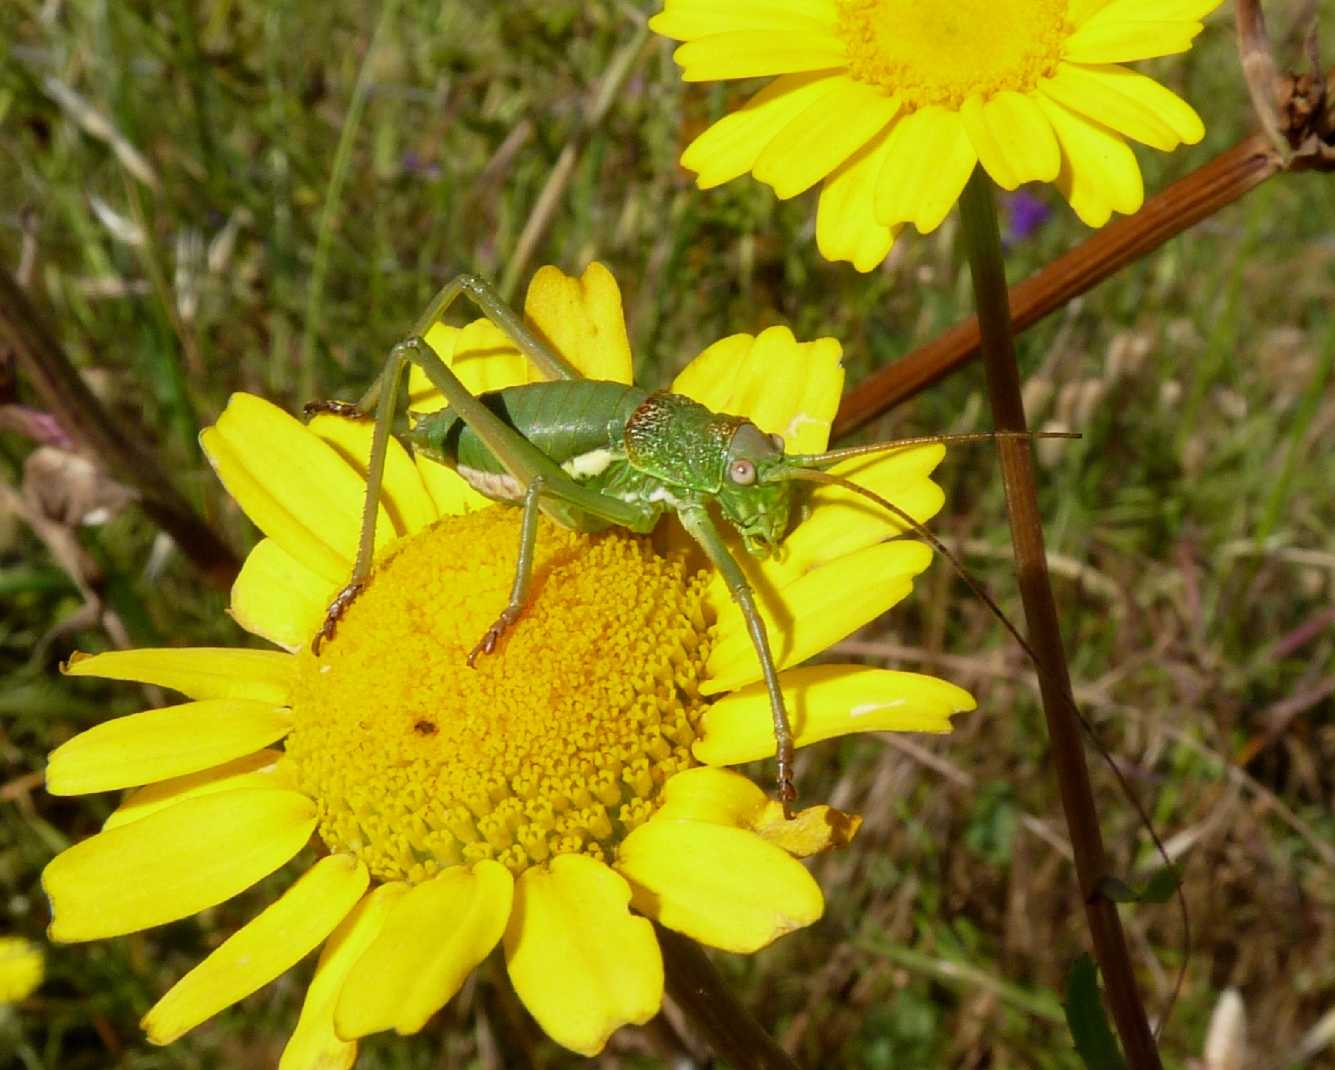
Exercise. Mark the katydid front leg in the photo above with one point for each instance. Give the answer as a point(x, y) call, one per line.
point(528, 539)
point(696, 520)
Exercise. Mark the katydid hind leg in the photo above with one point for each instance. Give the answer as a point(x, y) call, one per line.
point(528, 539)
point(490, 303)
point(701, 527)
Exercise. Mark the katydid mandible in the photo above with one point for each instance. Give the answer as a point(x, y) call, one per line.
point(593, 455)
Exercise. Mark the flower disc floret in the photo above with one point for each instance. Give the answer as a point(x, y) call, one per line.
point(913, 49)
point(557, 743)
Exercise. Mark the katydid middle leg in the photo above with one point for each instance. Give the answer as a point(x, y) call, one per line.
point(696, 520)
point(528, 539)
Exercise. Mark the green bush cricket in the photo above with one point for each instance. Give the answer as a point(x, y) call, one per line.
point(593, 455)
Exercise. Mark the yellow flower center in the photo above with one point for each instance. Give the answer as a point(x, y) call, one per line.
point(944, 51)
point(558, 742)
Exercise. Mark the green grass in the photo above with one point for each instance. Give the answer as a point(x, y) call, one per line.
point(286, 239)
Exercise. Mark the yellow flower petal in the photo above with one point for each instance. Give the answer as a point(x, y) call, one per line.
point(146, 747)
point(480, 354)
point(173, 863)
point(22, 967)
point(840, 522)
point(263, 769)
point(688, 19)
point(581, 962)
point(928, 160)
point(1128, 102)
point(295, 487)
point(407, 502)
point(429, 943)
point(278, 598)
point(270, 944)
point(1012, 137)
point(784, 386)
point(314, 1045)
point(197, 672)
point(820, 608)
point(1099, 173)
point(823, 136)
point(722, 797)
point(846, 223)
point(582, 320)
point(756, 53)
point(1110, 36)
point(715, 796)
point(825, 701)
point(732, 145)
point(725, 887)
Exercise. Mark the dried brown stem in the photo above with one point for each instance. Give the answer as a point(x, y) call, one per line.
point(710, 1006)
point(983, 241)
point(115, 447)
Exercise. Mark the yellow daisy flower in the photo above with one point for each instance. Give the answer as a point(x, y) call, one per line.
point(22, 968)
point(892, 102)
point(551, 800)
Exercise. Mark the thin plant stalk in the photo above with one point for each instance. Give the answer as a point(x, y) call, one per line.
point(982, 237)
point(712, 1008)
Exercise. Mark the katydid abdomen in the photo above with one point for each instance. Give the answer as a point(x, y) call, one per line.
point(577, 424)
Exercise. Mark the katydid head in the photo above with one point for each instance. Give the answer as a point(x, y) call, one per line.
point(752, 502)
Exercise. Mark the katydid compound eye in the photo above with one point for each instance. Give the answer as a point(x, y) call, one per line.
point(743, 472)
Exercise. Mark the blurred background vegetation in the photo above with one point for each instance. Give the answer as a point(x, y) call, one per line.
point(206, 196)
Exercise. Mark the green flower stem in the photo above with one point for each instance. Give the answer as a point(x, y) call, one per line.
point(983, 240)
point(696, 987)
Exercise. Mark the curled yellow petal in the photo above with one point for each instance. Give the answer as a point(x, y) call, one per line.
point(581, 318)
point(263, 769)
point(197, 672)
point(725, 887)
point(280, 936)
point(825, 701)
point(173, 863)
point(314, 1045)
point(157, 744)
point(722, 797)
point(431, 940)
point(581, 962)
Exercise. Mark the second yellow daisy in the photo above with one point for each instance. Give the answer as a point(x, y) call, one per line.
point(892, 103)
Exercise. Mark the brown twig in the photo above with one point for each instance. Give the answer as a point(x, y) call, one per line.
point(116, 448)
point(711, 1007)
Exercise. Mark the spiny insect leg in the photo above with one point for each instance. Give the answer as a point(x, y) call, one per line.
point(335, 612)
point(696, 520)
point(528, 539)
